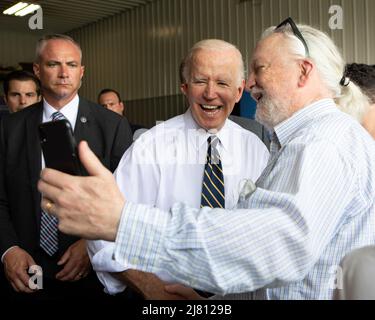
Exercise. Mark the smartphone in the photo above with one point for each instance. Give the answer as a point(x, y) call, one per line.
point(59, 147)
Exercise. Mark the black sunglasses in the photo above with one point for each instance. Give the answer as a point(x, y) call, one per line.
point(296, 32)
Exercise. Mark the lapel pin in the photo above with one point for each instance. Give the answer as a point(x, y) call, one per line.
point(83, 119)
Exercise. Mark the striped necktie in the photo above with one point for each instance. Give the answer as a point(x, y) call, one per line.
point(49, 240)
point(213, 194)
point(57, 116)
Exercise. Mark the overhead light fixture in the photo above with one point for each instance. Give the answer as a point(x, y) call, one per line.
point(21, 9)
point(15, 8)
point(30, 8)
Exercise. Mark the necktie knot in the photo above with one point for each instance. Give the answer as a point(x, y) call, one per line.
point(57, 116)
point(213, 156)
point(213, 141)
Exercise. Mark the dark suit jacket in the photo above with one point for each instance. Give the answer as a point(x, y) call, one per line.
point(107, 134)
point(3, 110)
point(253, 126)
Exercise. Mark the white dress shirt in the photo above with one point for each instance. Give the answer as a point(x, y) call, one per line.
point(314, 203)
point(166, 165)
point(69, 111)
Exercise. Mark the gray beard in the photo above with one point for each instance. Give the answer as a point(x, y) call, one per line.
point(270, 112)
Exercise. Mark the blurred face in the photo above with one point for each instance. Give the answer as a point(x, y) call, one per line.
point(213, 87)
point(21, 94)
point(273, 77)
point(111, 102)
point(60, 71)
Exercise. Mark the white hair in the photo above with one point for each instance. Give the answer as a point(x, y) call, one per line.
point(330, 65)
point(211, 44)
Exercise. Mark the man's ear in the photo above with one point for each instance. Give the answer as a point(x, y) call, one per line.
point(36, 69)
point(240, 90)
point(183, 88)
point(82, 71)
point(306, 68)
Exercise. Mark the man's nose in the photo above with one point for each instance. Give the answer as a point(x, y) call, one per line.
point(250, 83)
point(22, 99)
point(63, 71)
point(210, 91)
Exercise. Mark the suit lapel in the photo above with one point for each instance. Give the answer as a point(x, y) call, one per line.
point(34, 155)
point(84, 127)
point(81, 126)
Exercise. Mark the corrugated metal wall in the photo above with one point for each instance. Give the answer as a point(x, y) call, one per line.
point(138, 52)
point(16, 47)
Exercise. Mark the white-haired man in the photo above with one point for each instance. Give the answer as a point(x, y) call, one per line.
point(312, 204)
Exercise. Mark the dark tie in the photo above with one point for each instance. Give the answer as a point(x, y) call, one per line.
point(49, 240)
point(213, 194)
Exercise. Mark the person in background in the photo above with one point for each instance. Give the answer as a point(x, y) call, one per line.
point(21, 89)
point(363, 75)
point(357, 273)
point(111, 100)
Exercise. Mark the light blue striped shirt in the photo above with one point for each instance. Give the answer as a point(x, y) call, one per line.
point(313, 204)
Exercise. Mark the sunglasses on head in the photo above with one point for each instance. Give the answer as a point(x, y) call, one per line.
point(296, 32)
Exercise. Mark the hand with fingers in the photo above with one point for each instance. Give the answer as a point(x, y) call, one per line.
point(89, 207)
point(16, 265)
point(76, 262)
point(149, 285)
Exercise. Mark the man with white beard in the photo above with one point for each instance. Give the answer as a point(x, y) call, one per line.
point(312, 204)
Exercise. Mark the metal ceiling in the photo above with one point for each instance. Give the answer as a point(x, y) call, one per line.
point(65, 15)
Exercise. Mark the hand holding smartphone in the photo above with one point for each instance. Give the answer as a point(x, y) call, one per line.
point(59, 147)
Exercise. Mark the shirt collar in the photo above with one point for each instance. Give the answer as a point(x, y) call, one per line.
point(69, 111)
point(286, 130)
point(202, 135)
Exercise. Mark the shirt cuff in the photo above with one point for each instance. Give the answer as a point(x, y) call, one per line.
point(101, 256)
point(139, 241)
point(101, 253)
point(2, 257)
